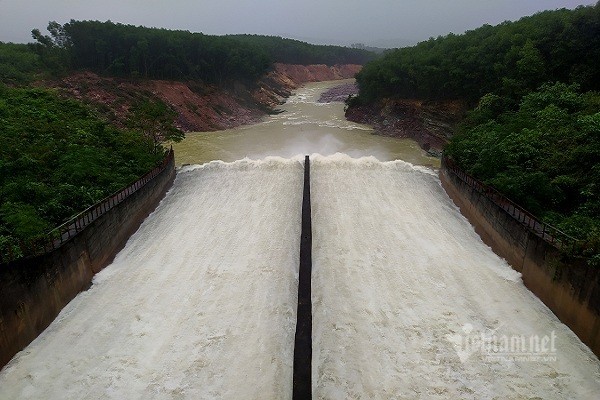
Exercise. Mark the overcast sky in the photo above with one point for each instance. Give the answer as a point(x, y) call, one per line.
point(384, 23)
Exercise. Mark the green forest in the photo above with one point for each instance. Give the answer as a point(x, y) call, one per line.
point(19, 64)
point(545, 155)
point(510, 60)
point(57, 159)
point(113, 49)
point(534, 129)
point(289, 51)
point(127, 50)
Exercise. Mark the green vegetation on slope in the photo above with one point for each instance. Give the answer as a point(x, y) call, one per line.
point(19, 64)
point(57, 158)
point(509, 59)
point(545, 155)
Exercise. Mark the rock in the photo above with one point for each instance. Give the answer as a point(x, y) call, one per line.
point(429, 123)
point(339, 93)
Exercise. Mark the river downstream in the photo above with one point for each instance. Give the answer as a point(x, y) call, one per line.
point(304, 127)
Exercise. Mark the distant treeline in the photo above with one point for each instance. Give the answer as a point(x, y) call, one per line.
point(125, 50)
point(509, 59)
point(290, 51)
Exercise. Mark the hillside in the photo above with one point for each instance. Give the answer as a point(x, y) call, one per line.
point(509, 59)
point(115, 49)
point(211, 82)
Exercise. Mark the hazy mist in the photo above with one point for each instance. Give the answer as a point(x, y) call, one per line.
point(383, 23)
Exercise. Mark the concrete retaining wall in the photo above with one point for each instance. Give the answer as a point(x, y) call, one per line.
point(34, 290)
point(568, 286)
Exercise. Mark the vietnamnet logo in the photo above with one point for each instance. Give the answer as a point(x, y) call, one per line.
point(491, 346)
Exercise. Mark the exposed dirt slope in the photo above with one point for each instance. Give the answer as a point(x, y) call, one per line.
point(200, 107)
point(279, 83)
point(207, 108)
point(300, 74)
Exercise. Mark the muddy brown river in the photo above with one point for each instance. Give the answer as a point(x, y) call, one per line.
point(304, 127)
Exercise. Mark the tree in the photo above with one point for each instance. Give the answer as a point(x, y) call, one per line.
point(544, 155)
point(154, 119)
point(54, 50)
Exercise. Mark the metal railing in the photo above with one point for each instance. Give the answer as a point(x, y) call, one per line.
point(65, 232)
point(547, 232)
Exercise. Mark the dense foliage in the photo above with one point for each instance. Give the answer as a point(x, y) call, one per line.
point(291, 51)
point(57, 158)
point(126, 50)
point(509, 60)
point(545, 155)
point(19, 64)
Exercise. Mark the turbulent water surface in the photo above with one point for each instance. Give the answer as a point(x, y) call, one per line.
point(304, 127)
point(200, 304)
point(407, 300)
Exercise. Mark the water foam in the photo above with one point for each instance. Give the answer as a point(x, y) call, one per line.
point(201, 302)
point(402, 286)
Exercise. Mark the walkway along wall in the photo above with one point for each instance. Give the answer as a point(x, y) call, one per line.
point(567, 285)
point(34, 290)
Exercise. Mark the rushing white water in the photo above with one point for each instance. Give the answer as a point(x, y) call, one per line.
point(407, 300)
point(200, 304)
point(403, 290)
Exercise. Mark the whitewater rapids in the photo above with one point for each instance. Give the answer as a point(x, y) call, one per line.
point(201, 303)
point(401, 284)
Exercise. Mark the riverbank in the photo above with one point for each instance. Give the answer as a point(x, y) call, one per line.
point(200, 107)
point(304, 126)
point(429, 123)
point(339, 93)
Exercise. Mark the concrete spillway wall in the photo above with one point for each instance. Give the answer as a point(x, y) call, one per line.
point(302, 385)
point(567, 285)
point(34, 290)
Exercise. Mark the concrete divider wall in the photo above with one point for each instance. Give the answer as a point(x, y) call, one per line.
point(34, 290)
point(567, 285)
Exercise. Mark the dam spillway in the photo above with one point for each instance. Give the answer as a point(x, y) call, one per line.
point(407, 302)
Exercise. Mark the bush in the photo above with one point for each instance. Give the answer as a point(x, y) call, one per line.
point(57, 159)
